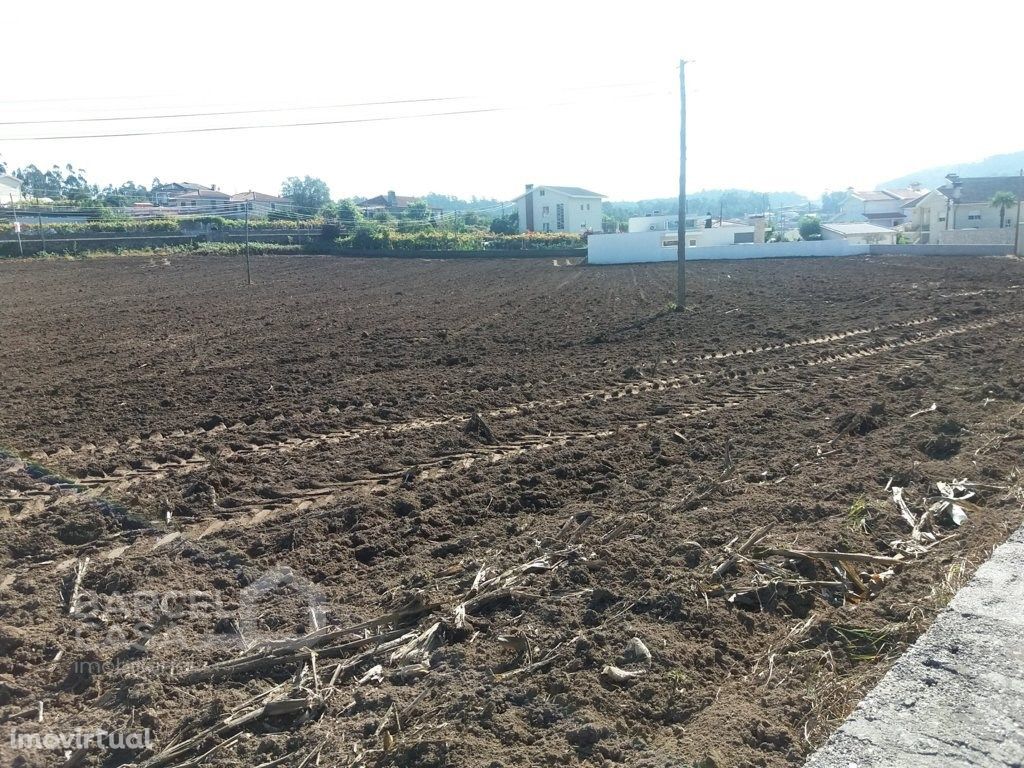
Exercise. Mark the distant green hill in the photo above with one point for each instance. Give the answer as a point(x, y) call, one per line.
point(997, 165)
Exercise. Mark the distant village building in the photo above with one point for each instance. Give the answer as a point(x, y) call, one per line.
point(10, 189)
point(883, 207)
point(966, 203)
point(161, 194)
point(390, 204)
point(209, 201)
point(652, 222)
point(861, 233)
point(559, 209)
point(698, 232)
point(258, 204)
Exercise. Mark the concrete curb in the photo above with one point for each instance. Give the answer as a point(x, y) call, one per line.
point(956, 698)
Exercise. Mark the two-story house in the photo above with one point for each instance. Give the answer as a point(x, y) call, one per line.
point(207, 201)
point(559, 209)
point(965, 203)
point(883, 207)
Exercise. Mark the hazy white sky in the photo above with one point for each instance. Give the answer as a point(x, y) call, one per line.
point(781, 95)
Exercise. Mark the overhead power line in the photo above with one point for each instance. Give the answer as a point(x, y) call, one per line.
point(301, 124)
point(266, 110)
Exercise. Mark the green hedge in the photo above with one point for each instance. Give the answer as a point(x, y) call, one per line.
point(150, 226)
point(389, 240)
point(156, 226)
point(198, 249)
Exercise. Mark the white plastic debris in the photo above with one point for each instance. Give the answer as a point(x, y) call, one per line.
point(620, 676)
point(637, 652)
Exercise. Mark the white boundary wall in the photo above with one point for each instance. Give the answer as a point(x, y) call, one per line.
point(641, 247)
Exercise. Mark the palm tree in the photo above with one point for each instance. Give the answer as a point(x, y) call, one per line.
point(1002, 201)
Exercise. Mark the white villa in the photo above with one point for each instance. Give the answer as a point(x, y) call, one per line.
point(559, 209)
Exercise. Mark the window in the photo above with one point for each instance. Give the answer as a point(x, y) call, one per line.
point(547, 227)
point(581, 206)
point(974, 216)
point(942, 218)
point(560, 216)
point(540, 192)
point(693, 242)
point(546, 210)
point(588, 206)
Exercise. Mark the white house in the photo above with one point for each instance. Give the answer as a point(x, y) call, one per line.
point(207, 201)
point(861, 233)
point(559, 209)
point(258, 204)
point(883, 207)
point(10, 189)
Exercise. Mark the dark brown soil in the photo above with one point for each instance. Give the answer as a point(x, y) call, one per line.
point(537, 463)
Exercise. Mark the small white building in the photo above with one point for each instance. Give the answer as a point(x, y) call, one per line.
point(559, 209)
point(10, 189)
point(859, 233)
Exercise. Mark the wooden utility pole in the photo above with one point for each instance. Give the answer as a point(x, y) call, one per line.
point(1016, 232)
point(248, 270)
point(681, 245)
point(1016, 224)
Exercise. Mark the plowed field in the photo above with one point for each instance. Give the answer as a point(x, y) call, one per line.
point(483, 513)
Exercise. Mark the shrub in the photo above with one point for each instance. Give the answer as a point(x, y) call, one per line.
point(810, 228)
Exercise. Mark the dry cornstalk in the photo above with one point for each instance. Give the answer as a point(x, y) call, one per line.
point(552, 656)
point(478, 580)
point(230, 668)
point(697, 496)
point(233, 722)
point(619, 529)
point(76, 585)
point(731, 560)
point(836, 557)
point(418, 648)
